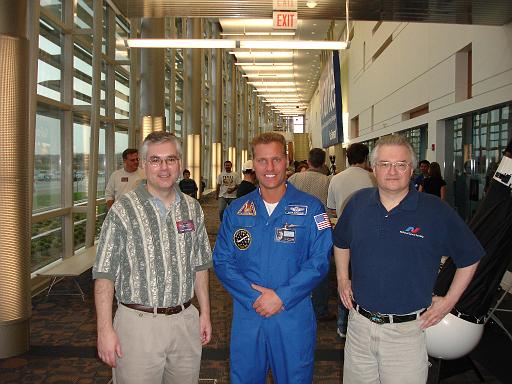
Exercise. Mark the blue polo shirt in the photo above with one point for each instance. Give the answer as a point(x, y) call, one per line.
point(395, 255)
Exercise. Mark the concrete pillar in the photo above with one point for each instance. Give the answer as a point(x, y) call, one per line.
point(234, 116)
point(152, 78)
point(217, 113)
point(14, 180)
point(193, 103)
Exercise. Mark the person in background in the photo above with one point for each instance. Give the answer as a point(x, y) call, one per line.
point(315, 182)
point(187, 185)
point(434, 183)
point(418, 180)
point(125, 179)
point(341, 188)
point(302, 167)
point(153, 254)
point(271, 251)
point(247, 184)
point(227, 183)
point(392, 238)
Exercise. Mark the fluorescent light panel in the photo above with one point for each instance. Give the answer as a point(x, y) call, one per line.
point(276, 90)
point(244, 44)
point(271, 75)
point(272, 83)
point(293, 44)
point(254, 64)
point(267, 68)
point(262, 54)
point(181, 43)
point(274, 95)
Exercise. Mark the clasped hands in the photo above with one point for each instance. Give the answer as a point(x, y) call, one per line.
point(268, 304)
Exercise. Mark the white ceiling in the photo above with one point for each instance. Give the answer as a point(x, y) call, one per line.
point(303, 70)
point(234, 16)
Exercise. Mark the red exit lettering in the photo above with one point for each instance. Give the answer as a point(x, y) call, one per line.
point(285, 20)
point(286, 4)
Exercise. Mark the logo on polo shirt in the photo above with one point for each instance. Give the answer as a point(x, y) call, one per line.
point(412, 231)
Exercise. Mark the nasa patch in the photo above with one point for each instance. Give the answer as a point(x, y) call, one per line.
point(242, 239)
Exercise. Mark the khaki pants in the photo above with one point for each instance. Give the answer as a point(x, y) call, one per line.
point(157, 348)
point(384, 353)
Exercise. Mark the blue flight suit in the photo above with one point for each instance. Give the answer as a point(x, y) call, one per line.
point(287, 252)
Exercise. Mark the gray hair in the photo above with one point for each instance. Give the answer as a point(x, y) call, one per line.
point(397, 140)
point(158, 137)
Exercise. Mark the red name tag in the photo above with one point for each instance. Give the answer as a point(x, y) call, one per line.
point(185, 226)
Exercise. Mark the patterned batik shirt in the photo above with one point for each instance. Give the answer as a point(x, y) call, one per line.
point(152, 253)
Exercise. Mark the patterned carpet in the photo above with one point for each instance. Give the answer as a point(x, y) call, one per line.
point(63, 339)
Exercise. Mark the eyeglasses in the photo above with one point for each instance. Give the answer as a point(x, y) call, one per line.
point(400, 166)
point(156, 161)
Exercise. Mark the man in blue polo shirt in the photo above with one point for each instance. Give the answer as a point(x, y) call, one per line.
point(394, 238)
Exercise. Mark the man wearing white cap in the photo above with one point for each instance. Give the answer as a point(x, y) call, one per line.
point(247, 184)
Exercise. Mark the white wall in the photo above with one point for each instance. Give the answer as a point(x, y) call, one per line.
point(418, 68)
point(312, 122)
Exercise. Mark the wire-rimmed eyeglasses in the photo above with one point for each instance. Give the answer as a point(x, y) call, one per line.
point(400, 166)
point(156, 161)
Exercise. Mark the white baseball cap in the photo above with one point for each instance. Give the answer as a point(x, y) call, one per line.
point(247, 166)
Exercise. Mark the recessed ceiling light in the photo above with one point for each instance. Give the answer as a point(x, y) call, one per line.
point(311, 4)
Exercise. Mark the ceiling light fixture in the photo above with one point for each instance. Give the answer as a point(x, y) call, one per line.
point(252, 64)
point(311, 4)
point(276, 90)
point(273, 75)
point(264, 84)
point(181, 43)
point(277, 95)
point(244, 44)
point(293, 44)
point(262, 54)
point(267, 68)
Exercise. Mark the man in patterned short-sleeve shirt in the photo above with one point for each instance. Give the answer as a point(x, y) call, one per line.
point(154, 253)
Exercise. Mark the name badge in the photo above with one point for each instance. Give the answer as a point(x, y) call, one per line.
point(124, 179)
point(185, 226)
point(296, 210)
point(285, 235)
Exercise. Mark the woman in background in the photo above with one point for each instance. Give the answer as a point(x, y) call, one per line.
point(434, 183)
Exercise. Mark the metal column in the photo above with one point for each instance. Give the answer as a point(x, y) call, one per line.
point(14, 180)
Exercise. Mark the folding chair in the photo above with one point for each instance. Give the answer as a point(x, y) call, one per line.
point(506, 285)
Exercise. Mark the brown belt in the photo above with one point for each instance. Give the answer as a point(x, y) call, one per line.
point(160, 310)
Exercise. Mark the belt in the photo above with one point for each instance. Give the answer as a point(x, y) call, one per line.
point(160, 310)
point(379, 318)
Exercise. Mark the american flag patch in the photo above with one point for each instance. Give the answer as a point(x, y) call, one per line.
point(322, 221)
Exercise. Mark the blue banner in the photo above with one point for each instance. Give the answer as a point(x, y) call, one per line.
point(330, 102)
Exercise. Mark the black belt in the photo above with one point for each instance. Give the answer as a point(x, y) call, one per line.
point(379, 318)
point(160, 310)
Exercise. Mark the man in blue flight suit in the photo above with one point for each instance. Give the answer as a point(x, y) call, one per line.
point(271, 252)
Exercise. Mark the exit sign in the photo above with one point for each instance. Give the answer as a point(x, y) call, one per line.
point(285, 5)
point(285, 20)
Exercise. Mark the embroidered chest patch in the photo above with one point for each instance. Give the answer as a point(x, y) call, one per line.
point(242, 239)
point(296, 210)
point(248, 209)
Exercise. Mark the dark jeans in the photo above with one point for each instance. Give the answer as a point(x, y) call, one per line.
point(342, 317)
point(223, 203)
